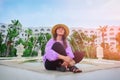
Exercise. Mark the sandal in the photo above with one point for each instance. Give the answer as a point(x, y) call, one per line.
point(74, 69)
point(62, 69)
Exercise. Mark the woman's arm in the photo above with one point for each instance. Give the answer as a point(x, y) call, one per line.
point(64, 58)
point(50, 54)
point(69, 50)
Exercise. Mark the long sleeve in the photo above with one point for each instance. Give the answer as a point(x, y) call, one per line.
point(69, 51)
point(50, 54)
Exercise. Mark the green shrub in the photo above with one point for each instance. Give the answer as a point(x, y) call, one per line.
point(27, 52)
point(34, 53)
point(13, 52)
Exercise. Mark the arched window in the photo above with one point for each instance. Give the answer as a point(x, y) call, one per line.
point(119, 29)
point(111, 29)
point(112, 38)
point(111, 33)
point(3, 26)
point(105, 34)
point(112, 43)
point(48, 29)
point(36, 30)
point(86, 31)
point(42, 29)
point(80, 30)
point(91, 31)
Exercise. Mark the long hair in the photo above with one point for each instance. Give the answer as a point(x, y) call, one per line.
point(63, 39)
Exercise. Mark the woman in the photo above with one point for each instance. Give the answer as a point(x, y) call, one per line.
point(58, 54)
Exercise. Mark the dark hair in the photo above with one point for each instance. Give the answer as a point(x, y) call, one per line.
point(63, 39)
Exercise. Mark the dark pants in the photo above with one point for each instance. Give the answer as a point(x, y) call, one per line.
point(52, 65)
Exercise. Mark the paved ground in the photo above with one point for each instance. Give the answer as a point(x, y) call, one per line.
point(92, 69)
point(10, 73)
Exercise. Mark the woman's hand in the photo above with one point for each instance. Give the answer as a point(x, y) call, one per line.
point(65, 64)
point(67, 59)
point(72, 63)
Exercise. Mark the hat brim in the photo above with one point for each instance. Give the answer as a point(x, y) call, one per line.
point(63, 26)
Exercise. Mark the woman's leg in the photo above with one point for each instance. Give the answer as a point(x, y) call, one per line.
point(78, 56)
point(59, 48)
point(53, 65)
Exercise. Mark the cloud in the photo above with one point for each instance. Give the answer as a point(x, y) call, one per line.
point(71, 12)
point(1, 5)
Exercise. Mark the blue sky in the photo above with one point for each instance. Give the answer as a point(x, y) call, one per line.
point(74, 13)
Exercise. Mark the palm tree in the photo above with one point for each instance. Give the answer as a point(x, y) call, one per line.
point(103, 30)
point(93, 37)
point(2, 46)
point(42, 40)
point(29, 43)
point(13, 31)
point(73, 43)
point(32, 42)
point(78, 40)
point(92, 49)
point(118, 40)
point(29, 32)
point(29, 35)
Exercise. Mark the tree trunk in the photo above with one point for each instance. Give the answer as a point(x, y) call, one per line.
point(8, 50)
point(33, 48)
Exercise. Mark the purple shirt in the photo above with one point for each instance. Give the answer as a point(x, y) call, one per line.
point(51, 55)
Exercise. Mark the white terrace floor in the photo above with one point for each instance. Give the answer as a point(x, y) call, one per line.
point(86, 65)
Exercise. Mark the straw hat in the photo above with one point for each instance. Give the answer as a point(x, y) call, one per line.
point(60, 25)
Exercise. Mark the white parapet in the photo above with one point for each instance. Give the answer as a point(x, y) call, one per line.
point(99, 52)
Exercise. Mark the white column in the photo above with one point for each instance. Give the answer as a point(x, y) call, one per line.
point(39, 55)
point(100, 54)
point(20, 49)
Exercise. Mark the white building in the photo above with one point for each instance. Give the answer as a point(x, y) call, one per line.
point(23, 35)
point(109, 35)
point(87, 31)
point(41, 29)
point(3, 29)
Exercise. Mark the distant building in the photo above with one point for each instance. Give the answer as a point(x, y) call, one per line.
point(109, 36)
point(41, 29)
point(87, 31)
point(3, 29)
point(23, 35)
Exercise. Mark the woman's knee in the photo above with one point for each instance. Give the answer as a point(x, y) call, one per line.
point(59, 48)
point(78, 56)
point(57, 44)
